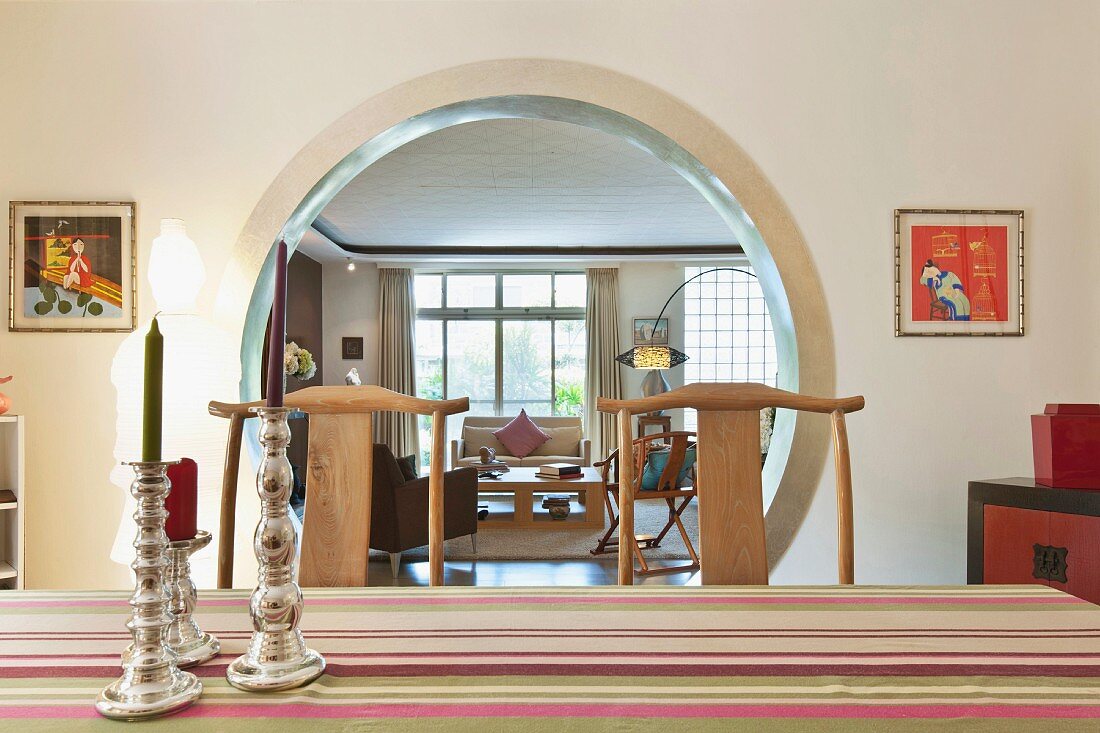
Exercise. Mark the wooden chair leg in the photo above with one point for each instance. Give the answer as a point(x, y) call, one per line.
point(683, 534)
point(607, 541)
point(668, 525)
point(641, 558)
point(227, 524)
point(674, 520)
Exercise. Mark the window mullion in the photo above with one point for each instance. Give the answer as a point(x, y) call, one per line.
point(498, 406)
point(553, 364)
point(446, 328)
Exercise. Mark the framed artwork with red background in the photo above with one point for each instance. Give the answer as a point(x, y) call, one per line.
point(958, 272)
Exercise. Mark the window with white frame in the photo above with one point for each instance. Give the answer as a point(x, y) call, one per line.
point(508, 340)
point(727, 330)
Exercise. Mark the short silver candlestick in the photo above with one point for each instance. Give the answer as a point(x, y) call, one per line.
point(191, 644)
point(151, 684)
point(277, 657)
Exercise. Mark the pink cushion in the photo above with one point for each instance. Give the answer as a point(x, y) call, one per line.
point(521, 436)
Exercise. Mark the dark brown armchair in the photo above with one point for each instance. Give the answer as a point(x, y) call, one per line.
point(399, 507)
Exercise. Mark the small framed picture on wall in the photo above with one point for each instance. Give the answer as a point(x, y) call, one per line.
point(71, 266)
point(650, 332)
point(352, 347)
point(958, 272)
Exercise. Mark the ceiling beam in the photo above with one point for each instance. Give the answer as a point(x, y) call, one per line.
point(526, 250)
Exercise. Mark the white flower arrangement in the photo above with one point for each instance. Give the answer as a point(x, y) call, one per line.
point(767, 425)
point(298, 362)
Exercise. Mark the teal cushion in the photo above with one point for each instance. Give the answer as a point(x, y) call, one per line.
point(655, 464)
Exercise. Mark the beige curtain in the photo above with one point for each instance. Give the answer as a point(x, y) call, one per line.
point(601, 320)
point(396, 358)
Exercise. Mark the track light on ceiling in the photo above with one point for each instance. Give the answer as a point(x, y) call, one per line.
point(351, 265)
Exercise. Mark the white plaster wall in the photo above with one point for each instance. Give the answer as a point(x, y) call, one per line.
point(351, 309)
point(850, 108)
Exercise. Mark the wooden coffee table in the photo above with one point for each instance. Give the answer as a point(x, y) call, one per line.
point(525, 486)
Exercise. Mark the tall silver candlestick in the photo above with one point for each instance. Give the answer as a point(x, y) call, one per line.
point(277, 657)
point(151, 684)
point(191, 644)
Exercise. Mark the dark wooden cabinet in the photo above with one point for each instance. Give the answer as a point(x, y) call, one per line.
point(1021, 532)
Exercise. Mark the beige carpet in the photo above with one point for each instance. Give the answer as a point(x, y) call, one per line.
point(564, 543)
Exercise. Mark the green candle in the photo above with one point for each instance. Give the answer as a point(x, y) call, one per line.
point(154, 385)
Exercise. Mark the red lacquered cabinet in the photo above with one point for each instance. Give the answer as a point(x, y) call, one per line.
point(1021, 532)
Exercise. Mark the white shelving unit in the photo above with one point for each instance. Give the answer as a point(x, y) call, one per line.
point(13, 504)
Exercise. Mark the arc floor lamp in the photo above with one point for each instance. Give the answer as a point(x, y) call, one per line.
point(658, 358)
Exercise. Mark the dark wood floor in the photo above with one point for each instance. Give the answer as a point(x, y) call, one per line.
point(597, 571)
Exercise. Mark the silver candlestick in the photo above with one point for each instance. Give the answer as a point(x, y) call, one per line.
point(151, 684)
point(191, 644)
point(277, 657)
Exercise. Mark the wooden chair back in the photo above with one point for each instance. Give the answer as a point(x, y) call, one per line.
point(731, 504)
point(336, 532)
point(677, 443)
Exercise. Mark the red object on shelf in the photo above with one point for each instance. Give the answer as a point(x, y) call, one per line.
point(183, 501)
point(1066, 444)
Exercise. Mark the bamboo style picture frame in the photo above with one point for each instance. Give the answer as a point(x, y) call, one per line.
point(958, 272)
point(72, 266)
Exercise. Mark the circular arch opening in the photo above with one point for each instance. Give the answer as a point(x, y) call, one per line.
point(797, 452)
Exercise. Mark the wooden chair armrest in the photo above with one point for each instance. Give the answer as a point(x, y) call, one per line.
point(607, 467)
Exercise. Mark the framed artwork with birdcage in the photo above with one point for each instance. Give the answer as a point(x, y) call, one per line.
point(72, 266)
point(958, 272)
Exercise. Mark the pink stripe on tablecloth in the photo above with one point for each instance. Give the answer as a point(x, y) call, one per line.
point(588, 710)
point(566, 633)
point(829, 669)
point(556, 654)
point(601, 600)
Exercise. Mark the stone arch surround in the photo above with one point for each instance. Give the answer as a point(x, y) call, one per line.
point(588, 95)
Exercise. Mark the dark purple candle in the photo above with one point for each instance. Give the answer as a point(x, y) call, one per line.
point(276, 343)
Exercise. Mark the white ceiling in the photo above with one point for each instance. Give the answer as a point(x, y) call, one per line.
point(521, 182)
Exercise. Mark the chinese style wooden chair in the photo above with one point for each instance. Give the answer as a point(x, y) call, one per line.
point(937, 310)
point(339, 478)
point(732, 547)
point(675, 485)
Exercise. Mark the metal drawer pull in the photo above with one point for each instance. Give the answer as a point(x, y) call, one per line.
point(1050, 563)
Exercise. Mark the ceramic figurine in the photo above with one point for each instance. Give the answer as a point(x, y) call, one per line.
point(352, 378)
point(488, 455)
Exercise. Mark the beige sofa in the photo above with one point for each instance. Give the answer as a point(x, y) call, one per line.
point(566, 445)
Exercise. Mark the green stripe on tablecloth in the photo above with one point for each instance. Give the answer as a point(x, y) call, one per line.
point(595, 591)
point(567, 725)
point(334, 691)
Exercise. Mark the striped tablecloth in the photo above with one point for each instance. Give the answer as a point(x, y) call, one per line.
point(533, 659)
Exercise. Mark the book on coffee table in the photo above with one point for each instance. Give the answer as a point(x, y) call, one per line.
point(555, 470)
point(494, 466)
point(560, 477)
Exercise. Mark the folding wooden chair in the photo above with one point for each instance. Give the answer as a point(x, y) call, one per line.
point(668, 488)
point(731, 505)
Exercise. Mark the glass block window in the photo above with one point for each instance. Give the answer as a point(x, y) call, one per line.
point(727, 330)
